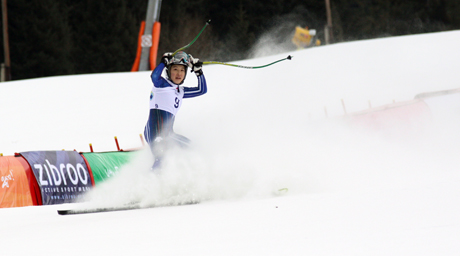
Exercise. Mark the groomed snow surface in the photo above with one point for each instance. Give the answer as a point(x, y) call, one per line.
point(353, 189)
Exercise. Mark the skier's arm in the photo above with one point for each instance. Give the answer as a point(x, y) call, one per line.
point(156, 75)
point(157, 79)
point(190, 92)
point(196, 66)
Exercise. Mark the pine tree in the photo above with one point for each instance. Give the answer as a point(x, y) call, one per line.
point(452, 9)
point(40, 39)
point(57, 37)
point(105, 36)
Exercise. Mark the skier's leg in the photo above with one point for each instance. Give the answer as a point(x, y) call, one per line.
point(180, 140)
point(158, 126)
point(153, 127)
point(152, 131)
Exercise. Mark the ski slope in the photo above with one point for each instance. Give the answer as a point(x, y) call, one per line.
point(352, 190)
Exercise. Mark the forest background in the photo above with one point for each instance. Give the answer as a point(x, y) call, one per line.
point(62, 37)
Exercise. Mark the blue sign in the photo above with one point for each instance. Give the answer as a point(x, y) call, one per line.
point(62, 176)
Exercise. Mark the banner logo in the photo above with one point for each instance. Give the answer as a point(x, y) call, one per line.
point(62, 176)
point(6, 179)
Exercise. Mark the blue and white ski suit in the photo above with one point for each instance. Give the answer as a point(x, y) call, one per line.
point(165, 101)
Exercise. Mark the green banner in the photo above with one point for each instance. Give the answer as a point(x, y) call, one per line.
point(104, 165)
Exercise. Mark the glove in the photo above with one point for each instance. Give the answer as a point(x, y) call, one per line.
point(195, 65)
point(166, 59)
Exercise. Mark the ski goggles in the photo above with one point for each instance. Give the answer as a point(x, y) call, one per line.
point(180, 58)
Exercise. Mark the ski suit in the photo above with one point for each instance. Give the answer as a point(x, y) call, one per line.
point(165, 101)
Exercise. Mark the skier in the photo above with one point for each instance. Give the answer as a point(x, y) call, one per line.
point(166, 100)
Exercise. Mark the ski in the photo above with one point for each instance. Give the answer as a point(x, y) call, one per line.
point(133, 206)
point(99, 210)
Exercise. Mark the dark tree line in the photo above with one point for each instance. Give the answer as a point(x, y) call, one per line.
point(59, 37)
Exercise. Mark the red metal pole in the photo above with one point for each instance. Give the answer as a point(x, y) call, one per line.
point(116, 141)
point(142, 139)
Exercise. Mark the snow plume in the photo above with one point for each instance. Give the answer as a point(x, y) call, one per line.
point(252, 136)
point(277, 39)
point(254, 165)
point(274, 41)
point(348, 157)
point(192, 175)
point(254, 151)
point(128, 185)
point(254, 156)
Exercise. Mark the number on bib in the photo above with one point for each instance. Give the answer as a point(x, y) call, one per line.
point(177, 102)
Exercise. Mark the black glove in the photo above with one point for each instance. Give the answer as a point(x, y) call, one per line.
point(166, 59)
point(195, 65)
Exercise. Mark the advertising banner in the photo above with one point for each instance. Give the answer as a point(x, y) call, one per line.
point(105, 165)
point(14, 189)
point(61, 175)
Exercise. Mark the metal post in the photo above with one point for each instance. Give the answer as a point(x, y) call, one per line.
point(153, 14)
point(329, 34)
point(6, 44)
point(2, 72)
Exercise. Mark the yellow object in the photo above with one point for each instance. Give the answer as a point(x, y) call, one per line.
point(303, 37)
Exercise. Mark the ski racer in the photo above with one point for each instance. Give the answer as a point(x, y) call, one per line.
point(166, 99)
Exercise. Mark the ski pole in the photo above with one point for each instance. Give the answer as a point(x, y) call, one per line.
point(247, 67)
point(193, 41)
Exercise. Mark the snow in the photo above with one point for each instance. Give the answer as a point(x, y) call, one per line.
point(352, 191)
